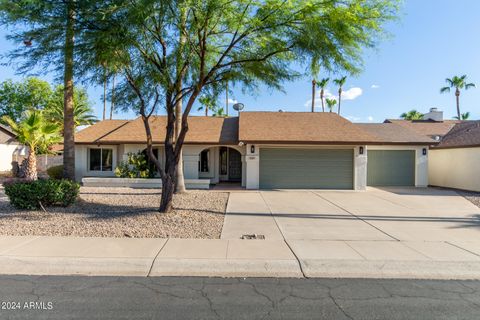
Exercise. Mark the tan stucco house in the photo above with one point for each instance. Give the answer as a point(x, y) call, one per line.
point(455, 161)
point(268, 150)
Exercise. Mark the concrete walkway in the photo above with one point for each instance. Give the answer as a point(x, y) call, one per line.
point(239, 258)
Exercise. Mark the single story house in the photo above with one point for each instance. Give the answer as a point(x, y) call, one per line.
point(269, 150)
point(455, 161)
point(10, 148)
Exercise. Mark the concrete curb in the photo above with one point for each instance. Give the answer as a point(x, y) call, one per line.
point(438, 270)
point(226, 268)
point(75, 266)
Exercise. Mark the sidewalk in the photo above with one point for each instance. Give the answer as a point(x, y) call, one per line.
point(239, 258)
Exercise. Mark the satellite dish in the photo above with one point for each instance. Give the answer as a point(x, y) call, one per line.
point(238, 106)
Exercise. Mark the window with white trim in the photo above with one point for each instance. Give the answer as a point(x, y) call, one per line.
point(100, 159)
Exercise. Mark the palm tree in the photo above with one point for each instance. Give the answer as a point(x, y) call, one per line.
point(322, 85)
point(82, 115)
point(37, 133)
point(412, 115)
point(463, 116)
point(458, 83)
point(314, 84)
point(208, 102)
point(340, 82)
point(331, 104)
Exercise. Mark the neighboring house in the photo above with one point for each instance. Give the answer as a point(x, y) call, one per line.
point(269, 150)
point(10, 148)
point(455, 161)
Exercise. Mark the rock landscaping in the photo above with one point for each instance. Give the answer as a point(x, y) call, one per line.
point(121, 212)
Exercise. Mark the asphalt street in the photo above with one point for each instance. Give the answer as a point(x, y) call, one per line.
point(72, 297)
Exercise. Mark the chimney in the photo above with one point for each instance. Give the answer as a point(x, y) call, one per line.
point(434, 115)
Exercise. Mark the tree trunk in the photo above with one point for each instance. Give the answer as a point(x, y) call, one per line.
point(321, 98)
point(226, 98)
point(68, 121)
point(104, 93)
point(31, 169)
point(314, 84)
point(113, 98)
point(339, 99)
point(179, 178)
point(457, 96)
point(168, 187)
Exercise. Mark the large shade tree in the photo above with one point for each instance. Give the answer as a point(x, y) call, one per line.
point(457, 83)
point(244, 42)
point(20, 96)
point(48, 34)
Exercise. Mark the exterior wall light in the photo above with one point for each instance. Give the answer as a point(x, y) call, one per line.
point(360, 150)
point(252, 149)
point(424, 151)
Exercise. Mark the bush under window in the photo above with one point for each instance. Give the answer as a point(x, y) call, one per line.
point(137, 166)
point(33, 195)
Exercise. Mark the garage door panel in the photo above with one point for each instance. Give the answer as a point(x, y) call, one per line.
point(391, 168)
point(306, 168)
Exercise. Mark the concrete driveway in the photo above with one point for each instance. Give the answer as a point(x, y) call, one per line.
point(405, 214)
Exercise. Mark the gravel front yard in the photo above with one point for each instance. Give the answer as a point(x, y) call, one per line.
point(121, 212)
point(473, 197)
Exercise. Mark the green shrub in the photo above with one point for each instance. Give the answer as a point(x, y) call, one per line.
point(55, 172)
point(32, 195)
point(136, 166)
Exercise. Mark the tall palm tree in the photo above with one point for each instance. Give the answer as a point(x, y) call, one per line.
point(463, 116)
point(68, 72)
point(458, 83)
point(331, 104)
point(340, 82)
point(412, 115)
point(37, 133)
point(314, 84)
point(322, 85)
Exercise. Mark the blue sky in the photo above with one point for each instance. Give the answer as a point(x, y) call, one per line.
point(433, 40)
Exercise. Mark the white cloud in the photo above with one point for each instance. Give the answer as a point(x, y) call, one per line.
point(370, 119)
point(375, 86)
point(350, 94)
point(232, 101)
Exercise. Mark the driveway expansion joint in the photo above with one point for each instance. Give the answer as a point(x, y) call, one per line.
point(285, 240)
point(354, 215)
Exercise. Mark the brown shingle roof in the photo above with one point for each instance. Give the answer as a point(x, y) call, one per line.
point(394, 133)
point(98, 130)
point(465, 134)
point(300, 127)
point(427, 127)
point(210, 130)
